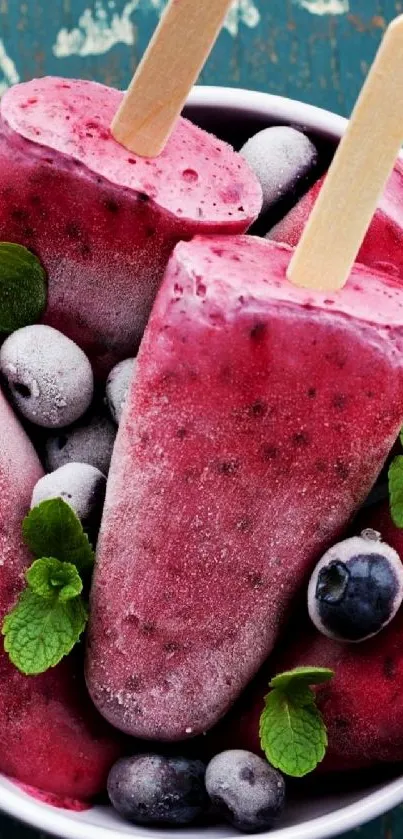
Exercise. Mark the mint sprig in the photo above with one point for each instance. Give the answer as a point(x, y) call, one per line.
point(48, 577)
point(51, 612)
point(395, 477)
point(23, 287)
point(292, 731)
point(53, 529)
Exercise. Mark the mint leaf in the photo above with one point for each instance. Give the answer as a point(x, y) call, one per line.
point(304, 675)
point(292, 732)
point(53, 579)
point(395, 476)
point(23, 287)
point(50, 614)
point(52, 529)
point(39, 631)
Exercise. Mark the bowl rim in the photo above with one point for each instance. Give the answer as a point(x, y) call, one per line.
point(281, 107)
point(67, 824)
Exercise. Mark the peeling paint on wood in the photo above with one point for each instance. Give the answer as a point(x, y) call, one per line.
point(102, 27)
point(315, 50)
point(97, 31)
point(325, 7)
point(8, 71)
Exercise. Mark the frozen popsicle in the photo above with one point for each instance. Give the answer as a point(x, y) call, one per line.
point(51, 737)
point(382, 247)
point(102, 219)
point(240, 456)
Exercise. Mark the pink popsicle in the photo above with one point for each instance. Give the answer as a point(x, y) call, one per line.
point(102, 220)
point(50, 735)
point(240, 457)
point(382, 247)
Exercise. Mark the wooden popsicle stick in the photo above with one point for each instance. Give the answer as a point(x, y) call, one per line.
point(171, 64)
point(357, 176)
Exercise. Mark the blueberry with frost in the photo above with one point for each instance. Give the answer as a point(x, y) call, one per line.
point(246, 790)
point(91, 441)
point(78, 484)
point(117, 387)
point(156, 789)
point(356, 588)
point(49, 377)
point(281, 158)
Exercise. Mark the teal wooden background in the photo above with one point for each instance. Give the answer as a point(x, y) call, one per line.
point(315, 50)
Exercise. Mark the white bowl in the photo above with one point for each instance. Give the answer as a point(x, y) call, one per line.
point(309, 816)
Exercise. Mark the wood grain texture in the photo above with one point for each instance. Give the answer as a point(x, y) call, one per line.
point(318, 58)
point(366, 156)
point(155, 99)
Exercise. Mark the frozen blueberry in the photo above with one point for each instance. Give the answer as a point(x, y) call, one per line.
point(80, 485)
point(246, 790)
point(89, 442)
point(153, 789)
point(356, 588)
point(49, 377)
point(117, 387)
point(281, 157)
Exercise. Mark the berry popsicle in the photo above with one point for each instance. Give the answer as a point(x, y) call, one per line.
point(382, 247)
point(50, 736)
point(102, 219)
point(251, 434)
point(222, 489)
